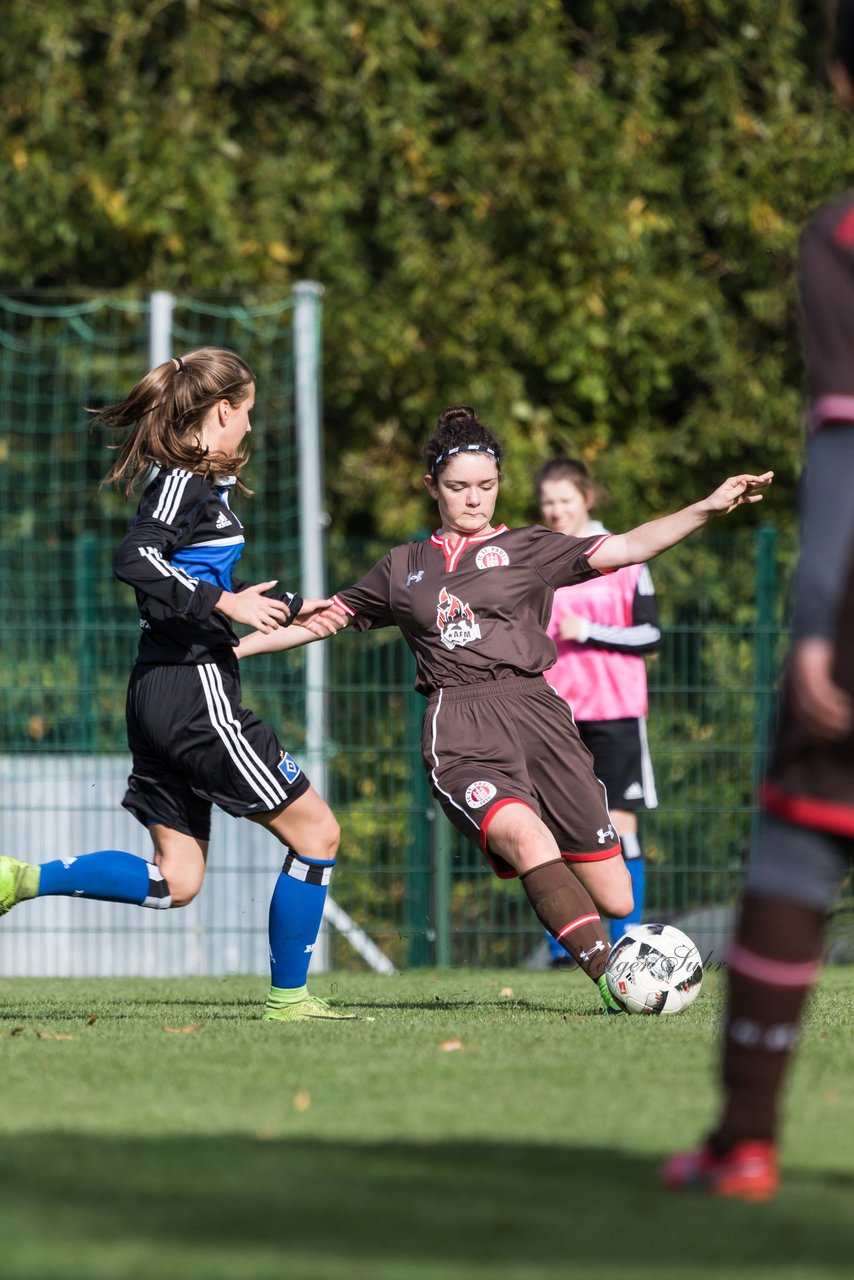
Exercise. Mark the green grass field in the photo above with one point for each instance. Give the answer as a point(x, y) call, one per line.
point(243, 1149)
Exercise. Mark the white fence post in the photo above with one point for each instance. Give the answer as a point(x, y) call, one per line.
point(161, 305)
point(313, 522)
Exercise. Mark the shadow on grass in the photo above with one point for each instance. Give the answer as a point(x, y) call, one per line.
point(218, 1010)
point(83, 1205)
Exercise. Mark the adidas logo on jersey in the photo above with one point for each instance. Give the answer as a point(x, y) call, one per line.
point(222, 521)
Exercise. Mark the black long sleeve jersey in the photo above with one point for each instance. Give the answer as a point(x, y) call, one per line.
point(178, 555)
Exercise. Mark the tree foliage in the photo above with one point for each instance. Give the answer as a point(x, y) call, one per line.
point(581, 217)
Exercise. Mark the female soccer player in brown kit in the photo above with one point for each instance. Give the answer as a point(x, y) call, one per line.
point(193, 744)
point(805, 845)
point(499, 745)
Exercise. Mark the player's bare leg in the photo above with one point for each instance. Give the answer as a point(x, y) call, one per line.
point(608, 883)
point(560, 900)
point(182, 860)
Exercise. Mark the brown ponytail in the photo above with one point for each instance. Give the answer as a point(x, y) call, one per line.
point(165, 412)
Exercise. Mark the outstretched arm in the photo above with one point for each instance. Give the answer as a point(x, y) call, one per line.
point(316, 620)
point(649, 540)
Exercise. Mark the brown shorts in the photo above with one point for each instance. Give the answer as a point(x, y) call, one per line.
point(514, 741)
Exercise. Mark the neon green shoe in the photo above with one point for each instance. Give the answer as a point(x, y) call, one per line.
point(18, 881)
point(612, 1005)
point(311, 1009)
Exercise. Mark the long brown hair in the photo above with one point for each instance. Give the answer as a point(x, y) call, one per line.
point(165, 412)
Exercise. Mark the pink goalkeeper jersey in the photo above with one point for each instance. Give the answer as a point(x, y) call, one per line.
point(599, 684)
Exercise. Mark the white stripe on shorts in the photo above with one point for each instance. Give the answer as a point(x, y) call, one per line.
point(247, 760)
point(435, 770)
point(650, 796)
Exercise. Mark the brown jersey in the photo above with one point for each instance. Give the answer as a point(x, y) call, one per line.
point(826, 271)
point(478, 610)
point(810, 782)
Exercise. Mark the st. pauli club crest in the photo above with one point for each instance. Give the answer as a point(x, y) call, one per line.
point(455, 620)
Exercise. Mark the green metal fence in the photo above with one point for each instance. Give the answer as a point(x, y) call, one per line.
point(404, 875)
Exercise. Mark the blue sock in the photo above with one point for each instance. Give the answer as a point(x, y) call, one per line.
point(556, 951)
point(296, 910)
point(110, 876)
point(637, 871)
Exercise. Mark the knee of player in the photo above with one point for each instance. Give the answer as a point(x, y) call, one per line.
point(182, 893)
point(328, 837)
point(621, 902)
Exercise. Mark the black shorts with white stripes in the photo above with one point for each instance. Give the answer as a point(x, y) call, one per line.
point(621, 761)
point(194, 745)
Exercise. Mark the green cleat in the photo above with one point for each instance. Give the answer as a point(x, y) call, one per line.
point(311, 1009)
point(18, 881)
point(612, 1005)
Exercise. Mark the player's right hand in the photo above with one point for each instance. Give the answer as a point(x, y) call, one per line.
point(251, 607)
point(825, 710)
point(325, 622)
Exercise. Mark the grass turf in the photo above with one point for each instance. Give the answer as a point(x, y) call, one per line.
point(321, 1151)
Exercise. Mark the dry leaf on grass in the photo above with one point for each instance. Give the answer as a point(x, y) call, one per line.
point(449, 1046)
point(506, 992)
point(184, 1031)
point(17, 1031)
point(92, 1019)
point(302, 1100)
point(53, 1035)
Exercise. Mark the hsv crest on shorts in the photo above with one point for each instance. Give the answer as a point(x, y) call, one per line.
point(455, 620)
point(491, 558)
point(479, 794)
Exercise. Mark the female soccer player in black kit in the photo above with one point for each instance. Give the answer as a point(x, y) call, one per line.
point(499, 745)
point(193, 744)
point(806, 843)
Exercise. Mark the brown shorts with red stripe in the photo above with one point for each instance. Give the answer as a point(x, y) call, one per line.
point(514, 741)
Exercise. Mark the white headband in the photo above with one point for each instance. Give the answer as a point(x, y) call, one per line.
point(462, 448)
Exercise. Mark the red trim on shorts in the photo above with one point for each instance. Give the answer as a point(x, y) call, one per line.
point(511, 872)
point(806, 811)
point(599, 856)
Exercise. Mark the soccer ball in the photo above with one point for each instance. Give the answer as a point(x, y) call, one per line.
point(654, 968)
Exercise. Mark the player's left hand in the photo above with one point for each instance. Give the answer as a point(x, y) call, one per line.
point(736, 491)
point(570, 626)
point(825, 710)
point(323, 617)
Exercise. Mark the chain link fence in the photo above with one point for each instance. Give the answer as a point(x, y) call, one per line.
point(404, 876)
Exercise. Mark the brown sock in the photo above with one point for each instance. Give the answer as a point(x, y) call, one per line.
point(773, 963)
point(566, 909)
